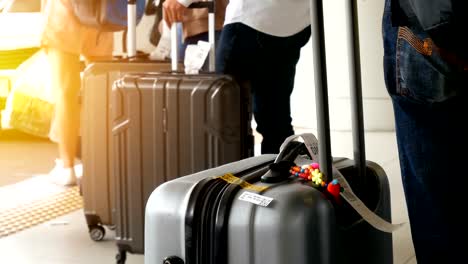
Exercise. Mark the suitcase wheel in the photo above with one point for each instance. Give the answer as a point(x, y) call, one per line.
point(173, 260)
point(121, 257)
point(97, 232)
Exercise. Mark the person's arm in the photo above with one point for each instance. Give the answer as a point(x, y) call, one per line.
point(174, 10)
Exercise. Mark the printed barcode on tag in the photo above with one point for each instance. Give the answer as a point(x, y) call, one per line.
point(255, 198)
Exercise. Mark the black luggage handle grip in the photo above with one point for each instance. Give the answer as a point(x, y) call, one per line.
point(201, 4)
point(321, 89)
point(204, 4)
point(279, 170)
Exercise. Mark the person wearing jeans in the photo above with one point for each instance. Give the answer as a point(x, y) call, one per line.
point(428, 87)
point(260, 46)
point(265, 64)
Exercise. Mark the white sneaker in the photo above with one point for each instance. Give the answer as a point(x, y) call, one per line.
point(78, 169)
point(62, 176)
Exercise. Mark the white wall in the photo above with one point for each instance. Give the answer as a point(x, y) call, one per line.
point(378, 112)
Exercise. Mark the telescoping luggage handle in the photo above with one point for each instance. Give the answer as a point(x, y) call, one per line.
point(321, 90)
point(210, 5)
point(131, 28)
point(132, 24)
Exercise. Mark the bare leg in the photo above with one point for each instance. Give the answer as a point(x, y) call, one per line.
point(65, 69)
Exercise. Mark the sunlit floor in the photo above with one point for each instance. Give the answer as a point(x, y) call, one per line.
point(63, 237)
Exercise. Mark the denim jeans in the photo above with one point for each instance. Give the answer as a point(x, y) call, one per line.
point(265, 65)
point(430, 106)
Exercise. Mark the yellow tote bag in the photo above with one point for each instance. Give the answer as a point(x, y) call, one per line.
point(30, 104)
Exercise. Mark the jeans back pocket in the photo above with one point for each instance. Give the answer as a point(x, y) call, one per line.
point(425, 73)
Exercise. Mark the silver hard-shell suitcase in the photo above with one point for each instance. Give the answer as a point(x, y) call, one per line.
point(201, 219)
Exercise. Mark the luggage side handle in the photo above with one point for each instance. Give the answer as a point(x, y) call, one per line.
point(279, 170)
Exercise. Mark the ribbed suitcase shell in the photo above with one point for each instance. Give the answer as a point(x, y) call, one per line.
point(97, 184)
point(167, 126)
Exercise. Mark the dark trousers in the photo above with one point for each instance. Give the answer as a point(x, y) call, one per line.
point(266, 66)
point(430, 107)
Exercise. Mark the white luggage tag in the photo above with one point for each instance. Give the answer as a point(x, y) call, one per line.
point(376, 221)
point(255, 198)
point(195, 56)
point(248, 195)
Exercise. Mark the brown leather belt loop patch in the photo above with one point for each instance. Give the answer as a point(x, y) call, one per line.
point(426, 47)
point(422, 46)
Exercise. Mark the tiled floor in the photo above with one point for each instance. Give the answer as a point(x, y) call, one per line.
point(65, 240)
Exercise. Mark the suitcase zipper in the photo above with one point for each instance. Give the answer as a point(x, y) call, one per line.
point(207, 216)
